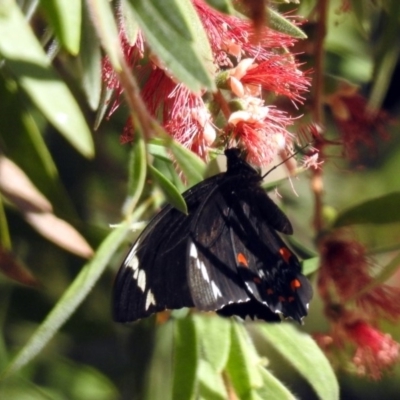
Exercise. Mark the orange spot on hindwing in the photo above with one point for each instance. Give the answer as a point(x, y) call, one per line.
point(241, 259)
point(295, 284)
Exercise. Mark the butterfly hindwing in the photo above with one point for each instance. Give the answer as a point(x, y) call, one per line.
point(270, 271)
point(212, 274)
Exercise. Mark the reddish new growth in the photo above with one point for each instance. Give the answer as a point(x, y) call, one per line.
point(267, 67)
point(354, 305)
point(356, 124)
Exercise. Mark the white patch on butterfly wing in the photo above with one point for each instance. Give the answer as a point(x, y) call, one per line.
point(132, 261)
point(141, 280)
point(135, 274)
point(204, 272)
point(215, 289)
point(193, 251)
point(150, 299)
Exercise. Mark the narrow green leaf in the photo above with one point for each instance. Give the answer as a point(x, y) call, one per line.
point(90, 62)
point(192, 165)
point(180, 42)
point(30, 65)
point(65, 17)
point(186, 359)
point(171, 193)
point(215, 339)
point(387, 272)
point(311, 265)
point(243, 363)
point(225, 6)
point(129, 24)
point(5, 239)
point(137, 174)
point(105, 99)
point(383, 74)
point(71, 299)
point(106, 27)
point(381, 210)
point(300, 350)
point(279, 23)
point(272, 388)
point(157, 149)
point(160, 375)
point(39, 166)
point(386, 57)
point(211, 384)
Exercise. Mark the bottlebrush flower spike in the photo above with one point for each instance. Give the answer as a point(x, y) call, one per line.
point(375, 351)
point(353, 312)
point(261, 130)
point(266, 66)
point(357, 124)
point(381, 301)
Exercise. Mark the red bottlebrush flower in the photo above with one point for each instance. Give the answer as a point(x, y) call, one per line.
point(185, 115)
point(261, 131)
point(182, 113)
point(132, 55)
point(230, 35)
point(375, 351)
point(346, 266)
point(357, 125)
point(275, 76)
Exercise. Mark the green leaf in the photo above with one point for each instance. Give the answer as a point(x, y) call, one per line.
point(90, 62)
point(128, 22)
point(39, 166)
point(243, 363)
point(272, 388)
point(137, 174)
point(160, 371)
point(279, 23)
point(215, 339)
point(387, 54)
point(171, 192)
point(30, 65)
point(311, 265)
point(192, 165)
point(175, 34)
point(386, 273)
point(71, 299)
point(186, 358)
point(5, 240)
point(211, 384)
point(301, 351)
point(106, 27)
point(225, 6)
point(381, 210)
point(65, 18)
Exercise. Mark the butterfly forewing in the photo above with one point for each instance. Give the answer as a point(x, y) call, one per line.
point(153, 276)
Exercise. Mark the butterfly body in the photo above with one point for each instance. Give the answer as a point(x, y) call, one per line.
point(224, 255)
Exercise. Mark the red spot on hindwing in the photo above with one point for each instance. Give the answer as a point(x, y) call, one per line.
point(285, 254)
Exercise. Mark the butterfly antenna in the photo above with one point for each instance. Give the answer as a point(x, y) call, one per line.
point(286, 159)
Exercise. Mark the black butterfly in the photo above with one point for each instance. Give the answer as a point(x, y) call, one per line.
point(224, 256)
